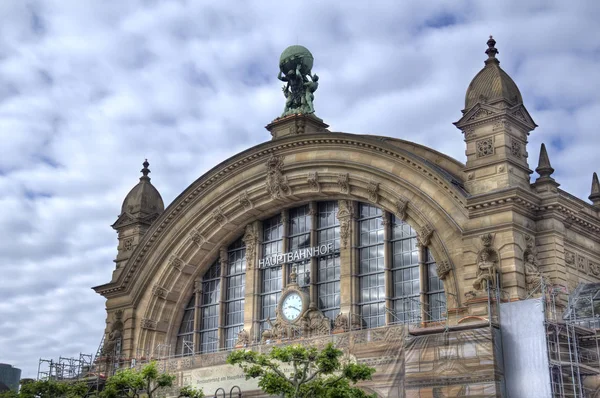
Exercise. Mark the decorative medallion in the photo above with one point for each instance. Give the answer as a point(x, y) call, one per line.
point(485, 147)
point(128, 244)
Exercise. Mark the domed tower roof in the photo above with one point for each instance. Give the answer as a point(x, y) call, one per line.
point(492, 83)
point(144, 198)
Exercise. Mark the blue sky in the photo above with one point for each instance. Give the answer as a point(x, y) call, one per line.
point(88, 89)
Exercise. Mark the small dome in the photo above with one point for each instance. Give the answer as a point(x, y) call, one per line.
point(492, 83)
point(144, 197)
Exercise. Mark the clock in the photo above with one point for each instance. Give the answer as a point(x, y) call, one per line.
point(292, 306)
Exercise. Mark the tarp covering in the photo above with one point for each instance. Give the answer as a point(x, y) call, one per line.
point(525, 349)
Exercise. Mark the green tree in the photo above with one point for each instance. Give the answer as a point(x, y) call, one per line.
point(48, 389)
point(148, 381)
point(314, 373)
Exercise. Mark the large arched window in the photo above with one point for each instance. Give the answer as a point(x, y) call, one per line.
point(393, 279)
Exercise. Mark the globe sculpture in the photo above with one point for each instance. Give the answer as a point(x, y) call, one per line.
point(295, 69)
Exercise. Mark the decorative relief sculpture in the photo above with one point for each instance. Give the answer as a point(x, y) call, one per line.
point(424, 235)
point(401, 208)
point(515, 148)
point(570, 258)
point(128, 244)
point(485, 147)
point(344, 182)
point(176, 262)
point(219, 217)
point(244, 201)
point(443, 269)
point(581, 264)
point(251, 241)
point(594, 268)
point(197, 238)
point(373, 190)
point(487, 265)
point(277, 183)
point(243, 339)
point(115, 334)
point(314, 323)
point(480, 114)
point(295, 69)
point(341, 323)
point(149, 324)
point(313, 181)
point(345, 217)
point(159, 291)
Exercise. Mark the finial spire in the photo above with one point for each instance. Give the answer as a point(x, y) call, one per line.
point(544, 168)
point(491, 51)
point(145, 171)
point(595, 195)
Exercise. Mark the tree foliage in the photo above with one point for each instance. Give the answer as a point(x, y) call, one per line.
point(48, 389)
point(311, 373)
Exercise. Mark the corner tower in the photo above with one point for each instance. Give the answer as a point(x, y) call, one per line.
point(495, 125)
point(142, 205)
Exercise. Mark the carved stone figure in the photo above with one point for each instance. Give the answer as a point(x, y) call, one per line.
point(486, 270)
point(115, 334)
point(314, 323)
point(243, 339)
point(533, 277)
point(251, 241)
point(341, 323)
point(295, 70)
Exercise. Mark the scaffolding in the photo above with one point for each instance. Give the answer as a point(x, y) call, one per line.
point(64, 369)
point(572, 340)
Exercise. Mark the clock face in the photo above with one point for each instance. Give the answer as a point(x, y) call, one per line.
point(292, 306)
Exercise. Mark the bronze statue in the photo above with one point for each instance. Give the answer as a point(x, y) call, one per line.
point(295, 66)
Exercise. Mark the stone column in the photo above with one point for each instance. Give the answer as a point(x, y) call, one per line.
point(223, 294)
point(251, 240)
point(256, 302)
point(314, 265)
point(347, 266)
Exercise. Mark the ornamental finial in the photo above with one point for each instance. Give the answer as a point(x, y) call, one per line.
point(145, 171)
point(491, 51)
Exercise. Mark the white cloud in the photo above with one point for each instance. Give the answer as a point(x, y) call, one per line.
point(88, 89)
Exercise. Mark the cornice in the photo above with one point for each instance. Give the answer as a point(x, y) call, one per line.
point(257, 154)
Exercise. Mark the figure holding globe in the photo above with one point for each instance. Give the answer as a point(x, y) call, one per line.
point(295, 69)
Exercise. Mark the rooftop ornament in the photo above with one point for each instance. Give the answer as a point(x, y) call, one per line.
point(295, 69)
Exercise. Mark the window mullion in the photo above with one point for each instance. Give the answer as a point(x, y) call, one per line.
point(423, 283)
point(222, 297)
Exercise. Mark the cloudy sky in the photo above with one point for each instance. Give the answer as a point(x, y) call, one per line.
point(88, 89)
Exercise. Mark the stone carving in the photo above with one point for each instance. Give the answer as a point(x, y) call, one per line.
point(198, 286)
point(570, 258)
point(128, 244)
point(469, 134)
point(114, 335)
point(313, 181)
point(277, 183)
point(534, 279)
point(401, 208)
point(443, 269)
point(197, 237)
point(223, 258)
point(481, 113)
point(176, 262)
point(314, 323)
point(519, 115)
point(485, 147)
point(341, 323)
point(344, 182)
point(424, 235)
point(219, 217)
point(386, 219)
point(515, 148)
point(594, 268)
point(243, 339)
point(581, 265)
point(487, 265)
point(251, 241)
point(345, 217)
point(373, 190)
point(279, 329)
point(244, 201)
point(295, 69)
point(159, 291)
point(149, 324)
